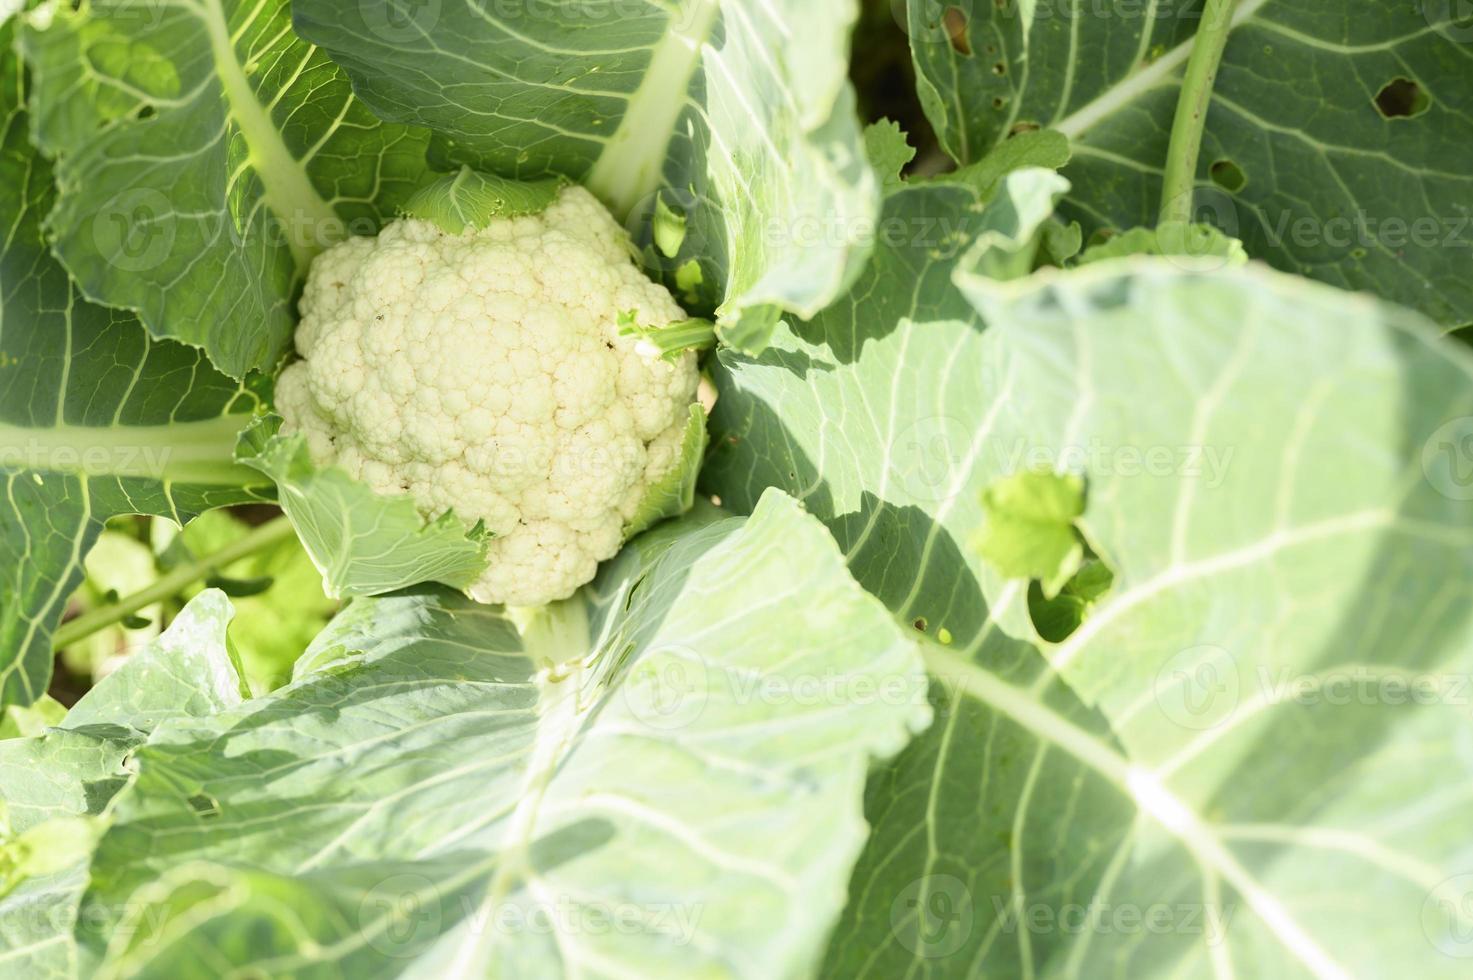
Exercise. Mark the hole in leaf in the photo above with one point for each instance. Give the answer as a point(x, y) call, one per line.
point(1402, 98)
point(1023, 127)
point(144, 112)
point(920, 623)
point(999, 102)
point(954, 19)
point(204, 805)
point(1228, 175)
point(999, 68)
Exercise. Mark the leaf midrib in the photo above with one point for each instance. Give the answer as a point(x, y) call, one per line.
point(1131, 87)
point(1139, 785)
point(200, 451)
point(631, 164)
point(286, 187)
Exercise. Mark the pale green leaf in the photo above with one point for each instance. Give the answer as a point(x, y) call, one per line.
point(362, 542)
point(1268, 473)
point(1028, 527)
point(1194, 241)
point(468, 199)
point(657, 755)
point(889, 151)
point(54, 786)
point(673, 495)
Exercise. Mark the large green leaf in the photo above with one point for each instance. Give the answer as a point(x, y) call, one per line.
point(1298, 160)
point(73, 770)
point(1272, 473)
point(876, 414)
point(736, 114)
point(96, 419)
point(674, 754)
point(204, 154)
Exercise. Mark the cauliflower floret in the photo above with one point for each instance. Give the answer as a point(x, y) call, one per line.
point(484, 373)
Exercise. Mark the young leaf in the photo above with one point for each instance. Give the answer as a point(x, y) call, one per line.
point(469, 199)
point(362, 543)
point(1172, 238)
point(889, 151)
point(1028, 529)
point(675, 494)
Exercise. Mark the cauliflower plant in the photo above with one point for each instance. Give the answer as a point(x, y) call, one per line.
point(485, 373)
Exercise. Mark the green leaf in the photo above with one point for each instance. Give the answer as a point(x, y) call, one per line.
point(899, 371)
point(362, 543)
point(55, 786)
point(736, 114)
point(1040, 148)
point(443, 774)
point(1061, 242)
point(675, 494)
point(1058, 616)
point(1273, 477)
point(669, 229)
point(204, 155)
point(1196, 241)
point(24, 722)
point(752, 331)
point(1018, 222)
point(96, 419)
point(1334, 145)
point(889, 151)
point(674, 339)
point(469, 199)
point(1028, 527)
point(274, 626)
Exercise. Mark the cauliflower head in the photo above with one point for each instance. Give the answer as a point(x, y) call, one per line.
point(485, 373)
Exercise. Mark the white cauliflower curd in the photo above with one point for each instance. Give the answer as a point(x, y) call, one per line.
point(485, 373)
